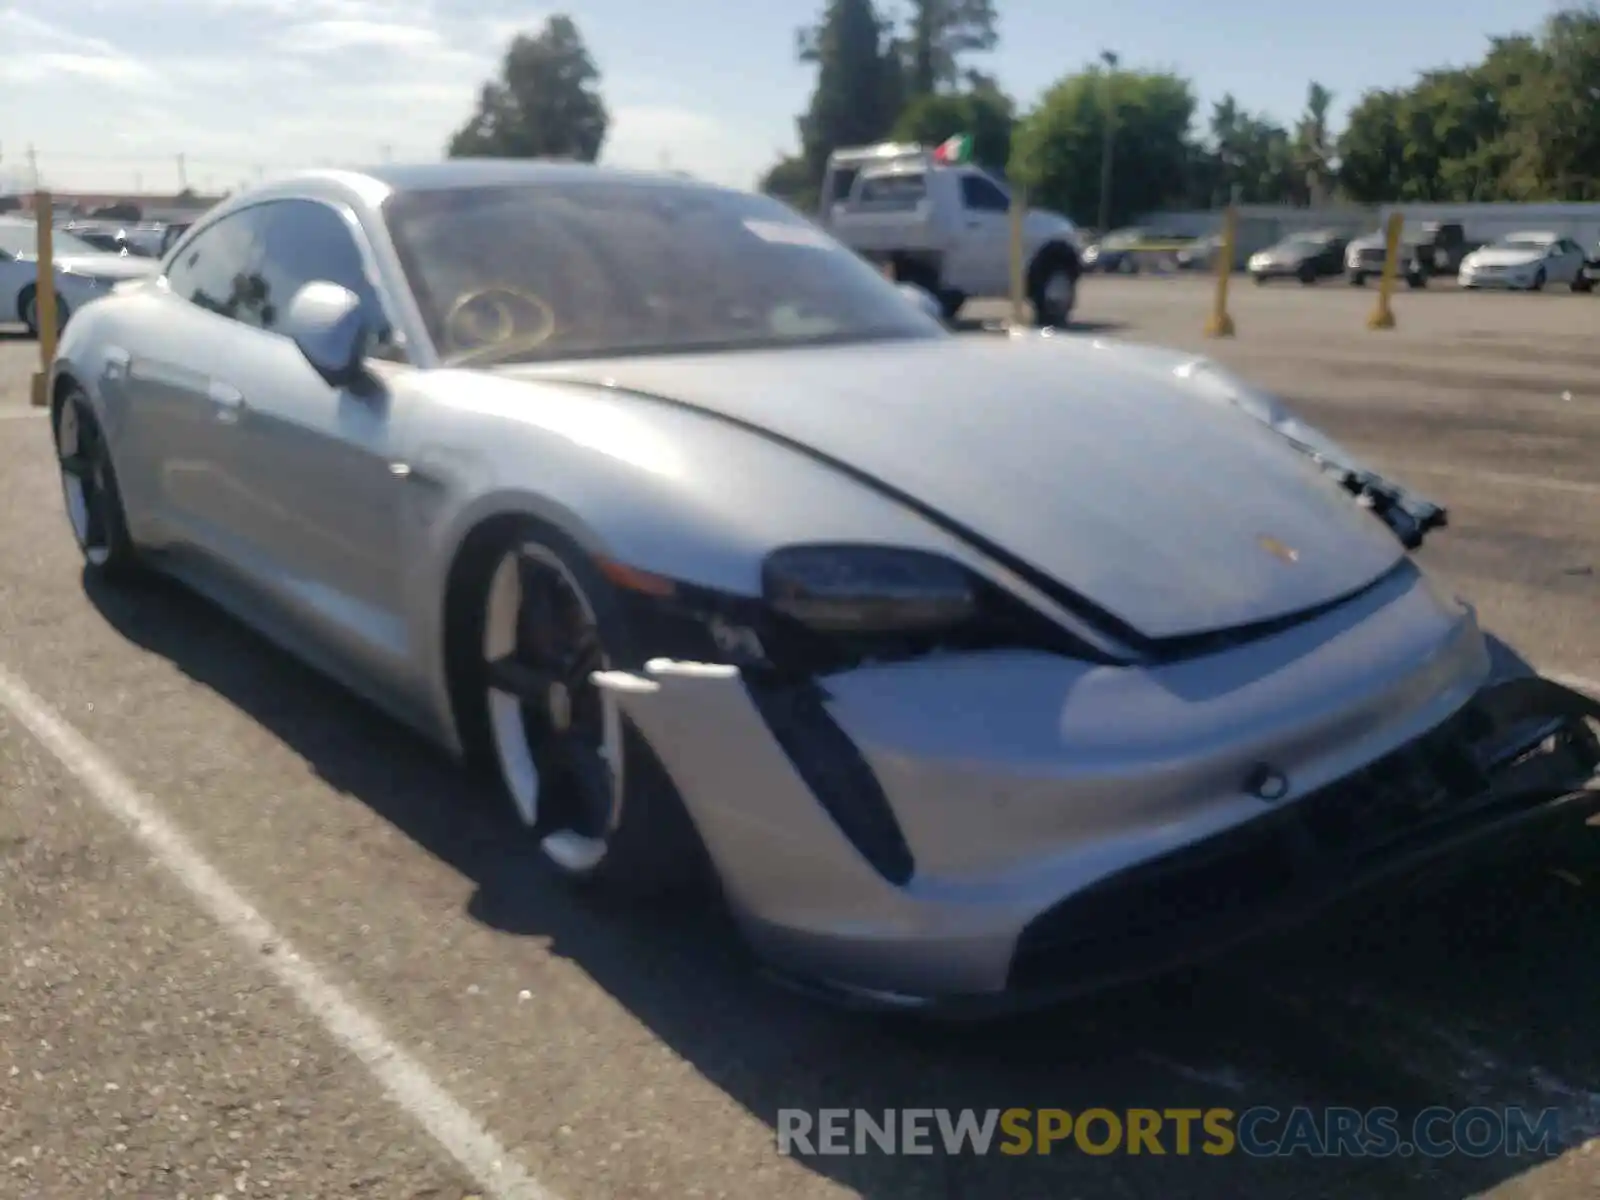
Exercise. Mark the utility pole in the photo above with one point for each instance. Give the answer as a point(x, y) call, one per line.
point(33, 165)
point(183, 175)
point(1110, 104)
point(386, 152)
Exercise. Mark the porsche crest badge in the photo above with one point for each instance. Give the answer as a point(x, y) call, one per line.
point(1277, 549)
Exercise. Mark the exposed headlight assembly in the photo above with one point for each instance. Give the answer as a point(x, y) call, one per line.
point(832, 605)
point(868, 589)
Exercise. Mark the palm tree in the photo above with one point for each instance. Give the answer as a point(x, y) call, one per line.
point(1314, 145)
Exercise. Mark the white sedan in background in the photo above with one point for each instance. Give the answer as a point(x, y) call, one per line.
point(83, 273)
point(1526, 262)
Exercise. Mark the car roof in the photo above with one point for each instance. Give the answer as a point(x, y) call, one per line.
point(1532, 235)
point(370, 186)
point(491, 172)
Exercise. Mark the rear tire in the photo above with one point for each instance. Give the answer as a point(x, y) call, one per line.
point(28, 310)
point(1538, 281)
point(1053, 288)
point(538, 620)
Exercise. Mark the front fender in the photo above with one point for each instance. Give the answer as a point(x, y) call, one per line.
point(653, 486)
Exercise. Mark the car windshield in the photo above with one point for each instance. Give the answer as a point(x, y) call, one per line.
point(1302, 243)
point(536, 272)
point(19, 238)
point(1523, 243)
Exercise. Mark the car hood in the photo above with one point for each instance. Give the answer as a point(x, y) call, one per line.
point(1091, 461)
point(108, 266)
point(1504, 258)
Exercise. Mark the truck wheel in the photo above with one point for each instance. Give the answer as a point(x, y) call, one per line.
point(1416, 280)
point(1357, 279)
point(1053, 287)
point(950, 304)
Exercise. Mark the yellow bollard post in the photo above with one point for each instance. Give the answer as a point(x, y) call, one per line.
point(1221, 324)
point(44, 214)
point(1019, 288)
point(1383, 315)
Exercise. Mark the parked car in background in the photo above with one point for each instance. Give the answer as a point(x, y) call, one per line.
point(1364, 259)
point(1435, 248)
point(1200, 254)
point(82, 272)
point(1307, 257)
point(1589, 277)
point(1525, 262)
point(1441, 246)
point(947, 228)
point(1126, 251)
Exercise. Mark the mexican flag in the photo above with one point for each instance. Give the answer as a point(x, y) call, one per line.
point(952, 151)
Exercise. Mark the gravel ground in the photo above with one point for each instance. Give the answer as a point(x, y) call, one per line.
point(620, 1054)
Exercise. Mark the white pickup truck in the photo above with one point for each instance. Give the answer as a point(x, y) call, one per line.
point(947, 229)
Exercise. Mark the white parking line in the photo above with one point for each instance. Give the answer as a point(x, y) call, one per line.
point(406, 1081)
point(18, 414)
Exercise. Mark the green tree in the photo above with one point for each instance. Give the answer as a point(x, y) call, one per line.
point(1249, 155)
point(546, 102)
point(1552, 114)
point(1372, 149)
point(985, 113)
point(789, 180)
point(1056, 150)
point(940, 34)
point(1314, 150)
point(859, 86)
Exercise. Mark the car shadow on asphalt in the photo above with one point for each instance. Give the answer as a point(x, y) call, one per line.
point(1480, 993)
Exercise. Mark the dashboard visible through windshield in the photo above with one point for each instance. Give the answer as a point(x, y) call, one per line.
point(536, 272)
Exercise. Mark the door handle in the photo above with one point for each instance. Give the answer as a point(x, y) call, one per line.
point(229, 401)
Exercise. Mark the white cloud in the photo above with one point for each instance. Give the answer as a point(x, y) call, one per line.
point(241, 87)
point(335, 37)
point(37, 50)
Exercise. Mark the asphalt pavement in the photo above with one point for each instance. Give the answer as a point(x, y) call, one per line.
point(259, 941)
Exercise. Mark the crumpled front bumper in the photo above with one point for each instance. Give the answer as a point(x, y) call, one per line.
point(988, 831)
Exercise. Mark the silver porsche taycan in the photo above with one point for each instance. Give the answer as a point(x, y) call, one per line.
point(971, 669)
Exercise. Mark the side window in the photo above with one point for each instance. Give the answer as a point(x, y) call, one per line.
point(214, 270)
point(892, 191)
point(304, 241)
point(981, 195)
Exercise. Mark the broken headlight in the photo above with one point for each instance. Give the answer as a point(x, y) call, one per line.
point(858, 589)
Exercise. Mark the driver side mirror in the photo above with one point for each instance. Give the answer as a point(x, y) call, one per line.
point(326, 322)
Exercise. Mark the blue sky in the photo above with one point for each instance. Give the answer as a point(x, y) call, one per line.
point(110, 92)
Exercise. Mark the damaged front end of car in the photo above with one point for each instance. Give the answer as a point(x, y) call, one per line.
point(888, 840)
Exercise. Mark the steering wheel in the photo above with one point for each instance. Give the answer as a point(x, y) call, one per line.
point(494, 317)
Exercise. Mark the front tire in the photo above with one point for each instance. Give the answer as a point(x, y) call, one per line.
point(573, 769)
point(1053, 289)
point(90, 490)
point(28, 310)
point(1538, 281)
